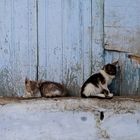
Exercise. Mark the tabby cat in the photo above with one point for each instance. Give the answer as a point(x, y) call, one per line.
point(97, 84)
point(44, 89)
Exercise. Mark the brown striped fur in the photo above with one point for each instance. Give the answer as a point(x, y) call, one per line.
point(44, 89)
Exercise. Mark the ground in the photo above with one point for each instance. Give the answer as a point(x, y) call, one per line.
point(70, 119)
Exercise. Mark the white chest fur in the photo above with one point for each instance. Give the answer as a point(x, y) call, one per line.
point(107, 77)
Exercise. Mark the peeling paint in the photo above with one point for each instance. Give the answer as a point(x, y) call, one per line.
point(122, 33)
point(122, 39)
point(71, 82)
point(71, 50)
point(135, 58)
point(78, 33)
point(18, 45)
point(128, 77)
point(7, 86)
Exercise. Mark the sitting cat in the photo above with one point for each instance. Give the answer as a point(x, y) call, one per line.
point(97, 84)
point(44, 89)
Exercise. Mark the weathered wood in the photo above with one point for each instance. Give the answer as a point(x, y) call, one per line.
point(97, 35)
point(50, 40)
point(53, 40)
point(127, 81)
point(134, 57)
point(76, 43)
point(65, 44)
point(122, 31)
point(122, 25)
point(62, 41)
point(17, 45)
point(69, 33)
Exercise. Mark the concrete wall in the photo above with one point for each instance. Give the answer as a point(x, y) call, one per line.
point(70, 119)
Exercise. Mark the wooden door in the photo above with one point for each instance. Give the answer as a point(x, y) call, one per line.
point(18, 45)
point(122, 42)
point(70, 40)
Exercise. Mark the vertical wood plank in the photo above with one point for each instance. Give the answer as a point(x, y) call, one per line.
point(18, 45)
point(97, 35)
point(6, 81)
point(127, 79)
point(50, 40)
point(86, 38)
point(42, 74)
point(76, 43)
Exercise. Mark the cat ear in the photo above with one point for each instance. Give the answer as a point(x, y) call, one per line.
point(103, 68)
point(115, 63)
point(26, 80)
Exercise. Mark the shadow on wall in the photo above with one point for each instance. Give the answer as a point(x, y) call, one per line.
point(71, 84)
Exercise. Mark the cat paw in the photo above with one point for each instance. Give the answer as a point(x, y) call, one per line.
point(110, 95)
point(26, 95)
point(105, 92)
point(101, 95)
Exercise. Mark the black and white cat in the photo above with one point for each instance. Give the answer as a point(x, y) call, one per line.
point(97, 84)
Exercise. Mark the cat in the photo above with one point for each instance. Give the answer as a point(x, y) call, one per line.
point(44, 89)
point(32, 88)
point(52, 89)
point(97, 84)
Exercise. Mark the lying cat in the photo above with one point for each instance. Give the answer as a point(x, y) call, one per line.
point(43, 89)
point(97, 84)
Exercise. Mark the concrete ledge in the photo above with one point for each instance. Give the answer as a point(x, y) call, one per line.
point(70, 119)
point(67, 103)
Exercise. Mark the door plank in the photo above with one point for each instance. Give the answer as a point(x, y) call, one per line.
point(18, 45)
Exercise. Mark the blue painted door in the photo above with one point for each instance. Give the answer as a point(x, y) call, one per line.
point(70, 40)
point(122, 42)
point(18, 43)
